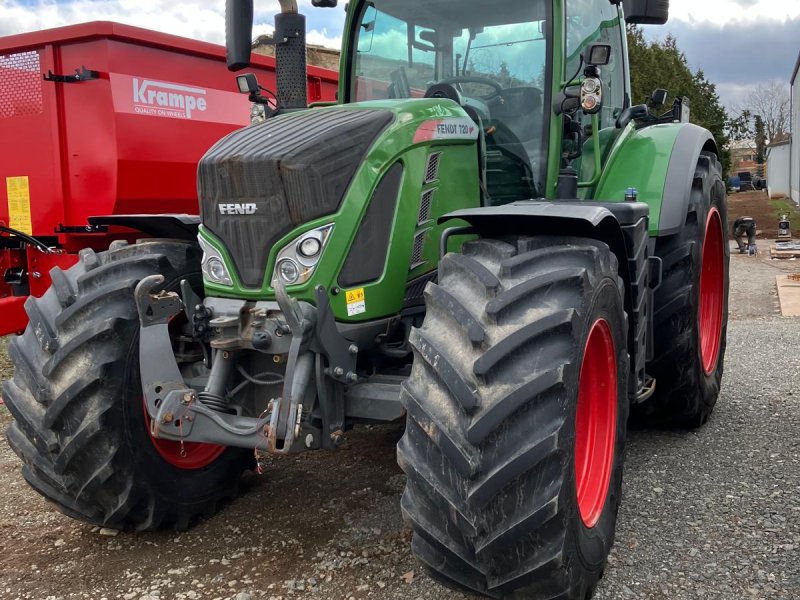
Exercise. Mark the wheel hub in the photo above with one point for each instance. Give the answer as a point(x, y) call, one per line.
point(183, 455)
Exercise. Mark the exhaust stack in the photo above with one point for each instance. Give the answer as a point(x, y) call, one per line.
point(290, 48)
point(290, 57)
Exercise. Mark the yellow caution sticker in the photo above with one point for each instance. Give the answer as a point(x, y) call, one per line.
point(19, 204)
point(355, 302)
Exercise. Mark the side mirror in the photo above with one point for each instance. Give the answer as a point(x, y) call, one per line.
point(238, 33)
point(324, 3)
point(646, 12)
point(659, 97)
point(429, 36)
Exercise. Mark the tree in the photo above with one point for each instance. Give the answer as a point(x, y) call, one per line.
point(739, 128)
point(761, 143)
point(772, 104)
point(661, 64)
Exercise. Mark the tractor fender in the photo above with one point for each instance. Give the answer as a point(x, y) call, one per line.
point(691, 141)
point(621, 225)
point(602, 221)
point(659, 161)
point(172, 226)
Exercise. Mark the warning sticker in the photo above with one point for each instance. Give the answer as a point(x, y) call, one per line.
point(446, 129)
point(355, 302)
point(19, 204)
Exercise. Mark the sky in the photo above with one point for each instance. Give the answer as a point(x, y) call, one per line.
point(737, 43)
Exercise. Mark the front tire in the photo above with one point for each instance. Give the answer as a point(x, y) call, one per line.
point(80, 425)
point(517, 408)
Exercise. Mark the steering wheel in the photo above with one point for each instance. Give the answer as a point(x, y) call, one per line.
point(498, 89)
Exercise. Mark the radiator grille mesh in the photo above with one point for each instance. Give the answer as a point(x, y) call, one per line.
point(419, 247)
point(432, 170)
point(425, 204)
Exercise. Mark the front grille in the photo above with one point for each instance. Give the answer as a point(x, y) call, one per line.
point(20, 85)
point(291, 169)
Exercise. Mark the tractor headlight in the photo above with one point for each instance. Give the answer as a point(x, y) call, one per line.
point(296, 262)
point(288, 271)
point(309, 247)
point(213, 265)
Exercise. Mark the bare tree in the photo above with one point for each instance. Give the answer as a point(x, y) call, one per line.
point(772, 102)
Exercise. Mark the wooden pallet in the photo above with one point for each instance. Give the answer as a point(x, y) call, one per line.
point(789, 295)
point(789, 253)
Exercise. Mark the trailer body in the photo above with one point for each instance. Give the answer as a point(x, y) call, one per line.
point(105, 119)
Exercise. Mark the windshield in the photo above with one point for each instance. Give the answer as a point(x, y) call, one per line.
point(495, 55)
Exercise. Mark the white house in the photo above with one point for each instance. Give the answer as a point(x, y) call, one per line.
point(794, 165)
point(779, 168)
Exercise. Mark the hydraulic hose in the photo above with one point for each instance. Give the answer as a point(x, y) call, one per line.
point(27, 238)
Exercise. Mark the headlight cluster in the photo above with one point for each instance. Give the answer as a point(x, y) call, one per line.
point(296, 262)
point(213, 266)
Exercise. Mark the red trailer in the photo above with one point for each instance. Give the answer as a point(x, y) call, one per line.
point(106, 119)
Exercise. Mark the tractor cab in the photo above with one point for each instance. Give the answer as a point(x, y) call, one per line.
point(493, 63)
point(506, 68)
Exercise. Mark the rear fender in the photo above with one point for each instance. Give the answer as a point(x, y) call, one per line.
point(659, 161)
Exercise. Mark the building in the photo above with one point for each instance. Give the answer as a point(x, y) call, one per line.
point(794, 166)
point(743, 157)
point(778, 168)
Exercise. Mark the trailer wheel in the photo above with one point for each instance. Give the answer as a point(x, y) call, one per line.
point(691, 308)
point(80, 425)
point(517, 408)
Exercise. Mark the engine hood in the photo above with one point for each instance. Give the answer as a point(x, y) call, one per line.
point(259, 183)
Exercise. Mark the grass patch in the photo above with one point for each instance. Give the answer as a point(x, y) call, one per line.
point(786, 206)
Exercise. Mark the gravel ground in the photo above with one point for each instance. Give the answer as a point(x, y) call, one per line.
point(707, 514)
point(753, 292)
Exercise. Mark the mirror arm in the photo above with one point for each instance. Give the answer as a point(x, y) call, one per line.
point(640, 111)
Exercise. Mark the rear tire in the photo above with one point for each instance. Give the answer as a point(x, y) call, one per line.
point(80, 424)
point(503, 364)
point(687, 374)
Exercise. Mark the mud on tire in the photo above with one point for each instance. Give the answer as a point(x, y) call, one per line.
point(489, 446)
point(76, 399)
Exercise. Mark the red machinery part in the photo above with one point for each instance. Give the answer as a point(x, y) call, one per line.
point(125, 139)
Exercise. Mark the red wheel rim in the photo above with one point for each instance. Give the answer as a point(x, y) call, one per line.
point(596, 423)
point(712, 291)
point(193, 455)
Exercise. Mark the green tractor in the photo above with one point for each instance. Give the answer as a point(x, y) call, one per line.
point(482, 238)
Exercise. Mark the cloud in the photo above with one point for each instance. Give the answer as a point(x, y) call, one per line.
point(737, 57)
point(732, 11)
point(737, 43)
point(198, 19)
